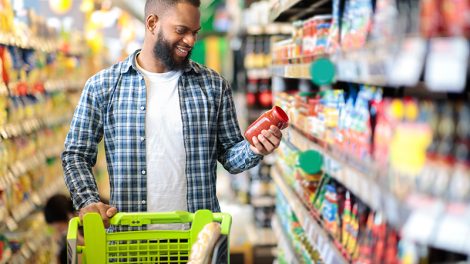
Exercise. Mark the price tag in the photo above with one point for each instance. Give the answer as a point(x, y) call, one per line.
point(392, 208)
point(33, 246)
point(447, 63)
point(364, 189)
point(340, 175)
point(362, 64)
point(36, 199)
point(11, 224)
point(325, 249)
point(308, 228)
point(329, 254)
point(25, 252)
point(9, 131)
point(375, 195)
point(16, 130)
point(10, 178)
point(452, 233)
point(4, 133)
point(354, 182)
point(346, 70)
point(320, 243)
point(377, 69)
point(335, 259)
point(23, 166)
point(408, 64)
point(3, 183)
point(419, 227)
point(314, 236)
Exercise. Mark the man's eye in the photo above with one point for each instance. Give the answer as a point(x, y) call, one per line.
point(180, 31)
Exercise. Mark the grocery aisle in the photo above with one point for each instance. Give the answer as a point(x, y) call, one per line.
point(45, 60)
point(373, 168)
point(374, 165)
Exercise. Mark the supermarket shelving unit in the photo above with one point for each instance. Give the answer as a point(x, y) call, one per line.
point(425, 220)
point(16, 219)
point(290, 10)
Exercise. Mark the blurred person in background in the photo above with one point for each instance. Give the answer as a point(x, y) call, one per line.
point(165, 121)
point(57, 212)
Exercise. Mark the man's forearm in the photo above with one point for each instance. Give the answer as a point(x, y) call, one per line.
point(79, 180)
point(240, 158)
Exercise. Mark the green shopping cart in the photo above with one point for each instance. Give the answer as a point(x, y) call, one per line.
point(144, 246)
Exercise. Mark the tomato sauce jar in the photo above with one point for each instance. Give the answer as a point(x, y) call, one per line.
point(276, 117)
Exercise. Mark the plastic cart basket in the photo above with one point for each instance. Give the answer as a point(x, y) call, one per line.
point(144, 246)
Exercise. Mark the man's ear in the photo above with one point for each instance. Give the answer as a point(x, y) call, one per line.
point(151, 23)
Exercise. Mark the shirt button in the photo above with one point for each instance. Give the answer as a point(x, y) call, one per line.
point(143, 172)
point(143, 202)
point(142, 108)
point(142, 138)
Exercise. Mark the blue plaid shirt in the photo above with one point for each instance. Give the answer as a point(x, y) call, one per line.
point(113, 106)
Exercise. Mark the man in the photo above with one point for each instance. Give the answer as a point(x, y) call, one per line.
point(57, 212)
point(165, 120)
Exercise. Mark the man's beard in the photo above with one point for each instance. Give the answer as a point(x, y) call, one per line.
point(163, 51)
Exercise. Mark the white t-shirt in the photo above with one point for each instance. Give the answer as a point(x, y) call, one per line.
point(166, 156)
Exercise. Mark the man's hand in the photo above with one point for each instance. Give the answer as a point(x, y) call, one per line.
point(267, 142)
point(106, 211)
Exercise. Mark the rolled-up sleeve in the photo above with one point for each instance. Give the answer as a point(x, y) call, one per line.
point(234, 153)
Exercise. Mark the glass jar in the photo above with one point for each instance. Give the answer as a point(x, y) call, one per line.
point(276, 117)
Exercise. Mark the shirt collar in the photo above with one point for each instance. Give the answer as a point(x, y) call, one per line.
point(130, 62)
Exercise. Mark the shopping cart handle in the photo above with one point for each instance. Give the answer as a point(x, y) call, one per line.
point(225, 221)
point(144, 218)
point(72, 241)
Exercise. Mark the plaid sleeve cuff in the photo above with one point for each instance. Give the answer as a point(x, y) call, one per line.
point(84, 201)
point(251, 155)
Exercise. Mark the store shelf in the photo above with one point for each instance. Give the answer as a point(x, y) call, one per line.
point(269, 29)
point(64, 85)
point(298, 71)
point(258, 73)
point(21, 128)
point(394, 64)
point(284, 242)
point(360, 179)
point(291, 10)
point(263, 201)
point(376, 64)
point(21, 167)
point(420, 218)
point(36, 43)
point(37, 199)
point(31, 125)
point(315, 233)
point(28, 250)
point(32, 43)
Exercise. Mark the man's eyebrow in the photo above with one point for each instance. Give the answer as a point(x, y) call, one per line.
point(186, 27)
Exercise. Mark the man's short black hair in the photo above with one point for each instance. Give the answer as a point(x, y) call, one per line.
point(160, 5)
point(58, 208)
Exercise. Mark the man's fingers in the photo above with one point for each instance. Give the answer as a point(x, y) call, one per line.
point(271, 137)
point(111, 211)
point(276, 131)
point(268, 146)
point(104, 210)
point(259, 147)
